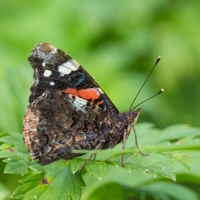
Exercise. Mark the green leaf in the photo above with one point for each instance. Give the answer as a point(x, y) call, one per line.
point(27, 184)
point(16, 140)
point(116, 191)
point(75, 164)
point(172, 190)
point(61, 184)
point(16, 165)
point(6, 150)
point(172, 135)
point(175, 133)
point(97, 168)
point(159, 190)
point(154, 163)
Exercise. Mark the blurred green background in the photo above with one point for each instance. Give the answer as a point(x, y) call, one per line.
point(117, 42)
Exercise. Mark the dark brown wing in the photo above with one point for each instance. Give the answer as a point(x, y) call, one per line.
point(57, 123)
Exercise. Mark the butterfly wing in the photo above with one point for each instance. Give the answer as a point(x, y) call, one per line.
point(57, 123)
point(53, 69)
point(67, 108)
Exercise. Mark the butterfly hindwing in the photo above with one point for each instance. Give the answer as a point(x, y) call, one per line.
point(62, 123)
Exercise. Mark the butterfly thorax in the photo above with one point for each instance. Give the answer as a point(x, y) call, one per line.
point(127, 121)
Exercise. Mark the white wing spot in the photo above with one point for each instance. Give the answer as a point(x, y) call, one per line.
point(67, 67)
point(36, 81)
point(43, 63)
point(79, 104)
point(47, 73)
point(70, 65)
point(63, 70)
point(52, 83)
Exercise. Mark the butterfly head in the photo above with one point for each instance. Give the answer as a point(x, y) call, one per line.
point(132, 117)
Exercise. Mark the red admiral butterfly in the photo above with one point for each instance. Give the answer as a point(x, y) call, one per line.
point(68, 110)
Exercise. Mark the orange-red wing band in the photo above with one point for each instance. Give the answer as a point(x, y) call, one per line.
point(90, 93)
point(72, 91)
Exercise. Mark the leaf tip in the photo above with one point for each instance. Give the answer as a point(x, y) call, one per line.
point(146, 171)
point(174, 179)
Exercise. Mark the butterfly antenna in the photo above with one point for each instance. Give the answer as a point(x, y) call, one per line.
point(158, 59)
point(161, 91)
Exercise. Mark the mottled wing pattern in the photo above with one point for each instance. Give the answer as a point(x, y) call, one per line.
point(57, 123)
point(67, 109)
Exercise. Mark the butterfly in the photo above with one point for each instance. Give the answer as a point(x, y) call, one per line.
point(69, 111)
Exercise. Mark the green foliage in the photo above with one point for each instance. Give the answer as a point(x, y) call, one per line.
point(117, 42)
point(4, 192)
point(169, 149)
point(160, 190)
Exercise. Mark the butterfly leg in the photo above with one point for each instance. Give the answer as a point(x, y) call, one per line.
point(136, 143)
point(123, 146)
point(93, 154)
